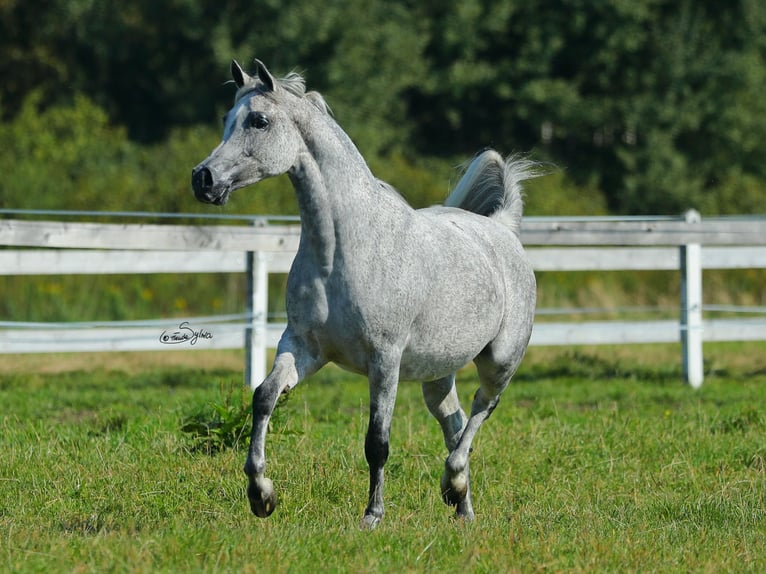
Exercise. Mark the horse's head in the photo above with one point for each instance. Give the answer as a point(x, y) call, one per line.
point(260, 138)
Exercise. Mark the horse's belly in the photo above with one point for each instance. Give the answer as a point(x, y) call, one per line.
point(436, 352)
point(423, 366)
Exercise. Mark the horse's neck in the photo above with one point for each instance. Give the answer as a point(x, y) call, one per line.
point(337, 195)
point(314, 204)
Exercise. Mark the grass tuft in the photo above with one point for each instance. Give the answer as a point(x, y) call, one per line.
point(219, 425)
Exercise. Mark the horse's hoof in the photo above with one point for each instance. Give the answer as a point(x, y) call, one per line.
point(369, 522)
point(464, 512)
point(454, 488)
point(263, 499)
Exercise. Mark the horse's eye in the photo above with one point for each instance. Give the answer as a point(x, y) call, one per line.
point(259, 121)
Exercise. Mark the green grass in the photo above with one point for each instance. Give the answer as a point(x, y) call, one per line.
point(588, 464)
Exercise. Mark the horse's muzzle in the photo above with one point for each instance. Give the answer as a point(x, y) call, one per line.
point(203, 184)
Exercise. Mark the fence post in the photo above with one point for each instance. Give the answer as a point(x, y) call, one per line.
point(691, 307)
point(256, 310)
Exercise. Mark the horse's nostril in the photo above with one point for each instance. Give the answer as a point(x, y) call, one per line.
point(202, 180)
point(207, 178)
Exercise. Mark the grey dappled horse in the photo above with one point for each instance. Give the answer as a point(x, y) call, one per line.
point(377, 287)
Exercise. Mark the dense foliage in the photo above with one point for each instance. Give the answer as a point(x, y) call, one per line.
point(649, 106)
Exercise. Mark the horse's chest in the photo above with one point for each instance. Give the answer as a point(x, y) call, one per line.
point(335, 319)
point(307, 303)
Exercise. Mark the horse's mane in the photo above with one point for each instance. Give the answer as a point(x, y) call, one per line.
point(293, 83)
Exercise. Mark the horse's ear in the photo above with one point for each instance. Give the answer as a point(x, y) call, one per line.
point(239, 76)
point(265, 76)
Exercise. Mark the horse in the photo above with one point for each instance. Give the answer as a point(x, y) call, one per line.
point(377, 287)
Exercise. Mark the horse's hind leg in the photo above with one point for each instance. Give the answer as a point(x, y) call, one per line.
point(455, 484)
point(494, 379)
point(443, 403)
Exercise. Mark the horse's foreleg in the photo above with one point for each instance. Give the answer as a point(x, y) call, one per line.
point(443, 403)
point(383, 383)
point(287, 372)
point(260, 491)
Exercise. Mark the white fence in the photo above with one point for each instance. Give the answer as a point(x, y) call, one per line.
point(687, 245)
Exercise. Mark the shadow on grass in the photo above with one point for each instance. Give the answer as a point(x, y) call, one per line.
point(98, 379)
point(580, 365)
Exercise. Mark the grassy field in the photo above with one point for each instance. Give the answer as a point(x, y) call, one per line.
point(594, 461)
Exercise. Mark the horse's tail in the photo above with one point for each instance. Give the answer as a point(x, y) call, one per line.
point(491, 186)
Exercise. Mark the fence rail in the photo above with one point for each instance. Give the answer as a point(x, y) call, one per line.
point(279, 238)
point(566, 244)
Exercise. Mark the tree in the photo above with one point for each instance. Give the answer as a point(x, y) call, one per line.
point(658, 103)
point(363, 57)
point(648, 100)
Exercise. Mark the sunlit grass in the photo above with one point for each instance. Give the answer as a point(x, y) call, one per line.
point(590, 463)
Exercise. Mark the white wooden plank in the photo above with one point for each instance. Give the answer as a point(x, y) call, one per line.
point(102, 262)
point(648, 232)
point(734, 330)
point(749, 257)
point(603, 258)
point(285, 237)
point(641, 258)
point(629, 332)
point(280, 262)
point(604, 333)
point(144, 236)
point(95, 261)
point(62, 340)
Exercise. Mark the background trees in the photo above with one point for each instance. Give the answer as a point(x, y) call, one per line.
point(648, 106)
